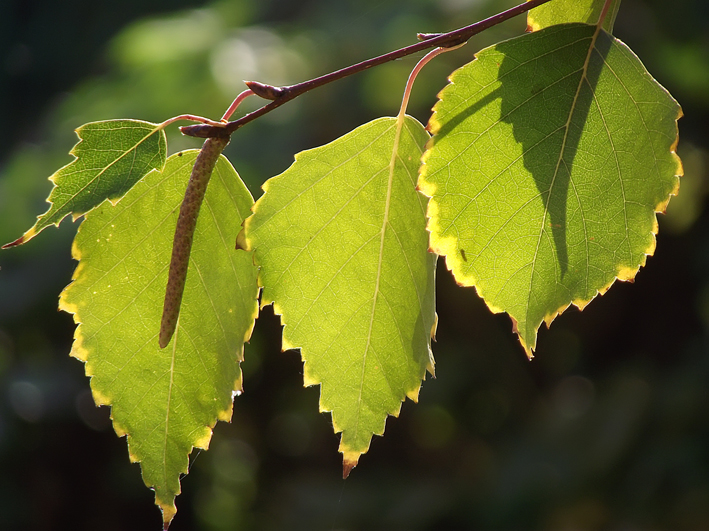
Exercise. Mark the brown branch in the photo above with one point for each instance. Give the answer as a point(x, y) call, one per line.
point(282, 95)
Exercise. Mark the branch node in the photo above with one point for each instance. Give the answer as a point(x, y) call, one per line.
point(267, 92)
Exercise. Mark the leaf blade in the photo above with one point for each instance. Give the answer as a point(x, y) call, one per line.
point(554, 103)
point(165, 401)
point(110, 157)
point(340, 238)
point(566, 11)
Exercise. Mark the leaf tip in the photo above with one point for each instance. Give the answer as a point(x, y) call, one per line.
point(27, 236)
point(350, 455)
point(168, 512)
point(347, 466)
point(18, 241)
point(528, 350)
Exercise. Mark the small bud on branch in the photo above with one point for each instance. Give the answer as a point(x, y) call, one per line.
point(285, 94)
point(267, 92)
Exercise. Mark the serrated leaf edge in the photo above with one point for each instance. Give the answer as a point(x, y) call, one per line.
point(78, 351)
point(34, 231)
point(350, 457)
point(447, 246)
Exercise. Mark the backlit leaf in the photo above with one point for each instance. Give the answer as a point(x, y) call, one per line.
point(565, 11)
point(551, 154)
point(165, 400)
point(340, 238)
point(111, 156)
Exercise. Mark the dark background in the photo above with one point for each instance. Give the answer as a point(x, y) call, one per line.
point(608, 427)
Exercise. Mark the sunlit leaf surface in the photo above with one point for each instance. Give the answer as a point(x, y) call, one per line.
point(340, 238)
point(165, 400)
point(551, 154)
point(111, 157)
point(564, 11)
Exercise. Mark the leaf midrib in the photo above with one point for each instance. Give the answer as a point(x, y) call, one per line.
point(385, 222)
point(334, 216)
point(572, 110)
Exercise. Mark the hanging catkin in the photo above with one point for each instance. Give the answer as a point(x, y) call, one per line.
point(184, 233)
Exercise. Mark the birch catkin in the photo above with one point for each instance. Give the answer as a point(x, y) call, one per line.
point(184, 233)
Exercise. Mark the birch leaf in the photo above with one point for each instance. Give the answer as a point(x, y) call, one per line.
point(552, 153)
point(166, 401)
point(565, 11)
point(340, 238)
point(110, 157)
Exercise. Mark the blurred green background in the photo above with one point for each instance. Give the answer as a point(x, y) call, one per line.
point(607, 429)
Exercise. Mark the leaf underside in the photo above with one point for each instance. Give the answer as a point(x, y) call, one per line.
point(111, 156)
point(340, 238)
point(552, 153)
point(165, 400)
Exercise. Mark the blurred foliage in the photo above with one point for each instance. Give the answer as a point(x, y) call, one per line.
point(608, 428)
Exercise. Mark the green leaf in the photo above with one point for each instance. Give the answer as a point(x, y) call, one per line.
point(165, 400)
point(551, 154)
point(565, 11)
point(341, 241)
point(111, 156)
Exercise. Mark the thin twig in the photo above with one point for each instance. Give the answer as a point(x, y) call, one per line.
point(285, 94)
